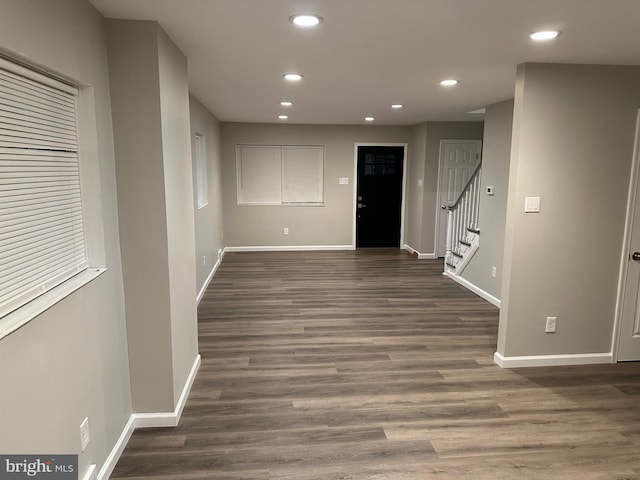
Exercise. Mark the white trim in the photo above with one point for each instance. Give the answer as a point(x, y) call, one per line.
point(552, 360)
point(207, 282)
point(421, 256)
point(144, 420)
point(169, 419)
point(439, 193)
point(91, 473)
point(23, 315)
point(288, 248)
point(116, 451)
point(50, 79)
point(405, 147)
point(626, 243)
point(403, 200)
point(477, 290)
point(354, 227)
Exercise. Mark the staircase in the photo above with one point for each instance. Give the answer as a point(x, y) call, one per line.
point(463, 234)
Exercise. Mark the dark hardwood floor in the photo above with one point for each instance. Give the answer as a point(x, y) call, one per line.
point(373, 365)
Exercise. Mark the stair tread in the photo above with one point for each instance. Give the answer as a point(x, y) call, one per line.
point(459, 255)
point(465, 243)
point(473, 230)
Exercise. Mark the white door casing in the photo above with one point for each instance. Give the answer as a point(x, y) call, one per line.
point(458, 160)
point(628, 345)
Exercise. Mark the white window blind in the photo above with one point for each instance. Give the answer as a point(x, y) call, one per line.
point(280, 175)
point(202, 189)
point(41, 223)
point(302, 174)
point(259, 175)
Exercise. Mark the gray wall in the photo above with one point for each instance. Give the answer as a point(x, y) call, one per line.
point(496, 153)
point(153, 158)
point(331, 225)
point(415, 172)
point(573, 136)
point(71, 361)
point(135, 100)
point(437, 131)
point(208, 220)
point(178, 184)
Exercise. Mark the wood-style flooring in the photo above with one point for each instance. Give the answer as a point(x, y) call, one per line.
point(373, 365)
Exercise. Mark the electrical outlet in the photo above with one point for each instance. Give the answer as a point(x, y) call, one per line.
point(286, 230)
point(85, 435)
point(551, 325)
point(493, 272)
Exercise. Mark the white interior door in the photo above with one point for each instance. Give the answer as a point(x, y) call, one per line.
point(629, 339)
point(458, 160)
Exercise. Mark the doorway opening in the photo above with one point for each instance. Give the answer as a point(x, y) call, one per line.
point(379, 201)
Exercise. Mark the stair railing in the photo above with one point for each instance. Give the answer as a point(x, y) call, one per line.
point(462, 216)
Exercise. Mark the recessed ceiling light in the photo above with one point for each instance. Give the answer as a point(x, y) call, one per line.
point(293, 77)
point(544, 35)
point(286, 103)
point(306, 19)
point(369, 119)
point(283, 117)
point(397, 105)
point(449, 82)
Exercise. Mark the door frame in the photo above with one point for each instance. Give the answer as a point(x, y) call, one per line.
point(626, 242)
point(355, 186)
point(443, 142)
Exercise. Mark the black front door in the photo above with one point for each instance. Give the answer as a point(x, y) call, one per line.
point(379, 196)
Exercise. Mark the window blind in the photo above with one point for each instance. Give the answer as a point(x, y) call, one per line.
point(41, 223)
point(302, 175)
point(259, 175)
point(280, 175)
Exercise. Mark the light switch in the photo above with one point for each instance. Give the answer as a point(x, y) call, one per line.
point(419, 182)
point(532, 204)
point(344, 181)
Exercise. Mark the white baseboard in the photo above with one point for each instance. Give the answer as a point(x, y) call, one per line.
point(210, 277)
point(421, 256)
point(169, 419)
point(552, 360)
point(288, 248)
point(116, 451)
point(147, 420)
point(477, 290)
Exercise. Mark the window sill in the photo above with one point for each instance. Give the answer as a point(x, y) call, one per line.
point(23, 315)
point(283, 204)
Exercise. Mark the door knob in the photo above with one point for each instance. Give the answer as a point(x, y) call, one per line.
point(635, 256)
point(444, 207)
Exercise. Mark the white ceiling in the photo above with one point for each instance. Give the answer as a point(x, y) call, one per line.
point(368, 54)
